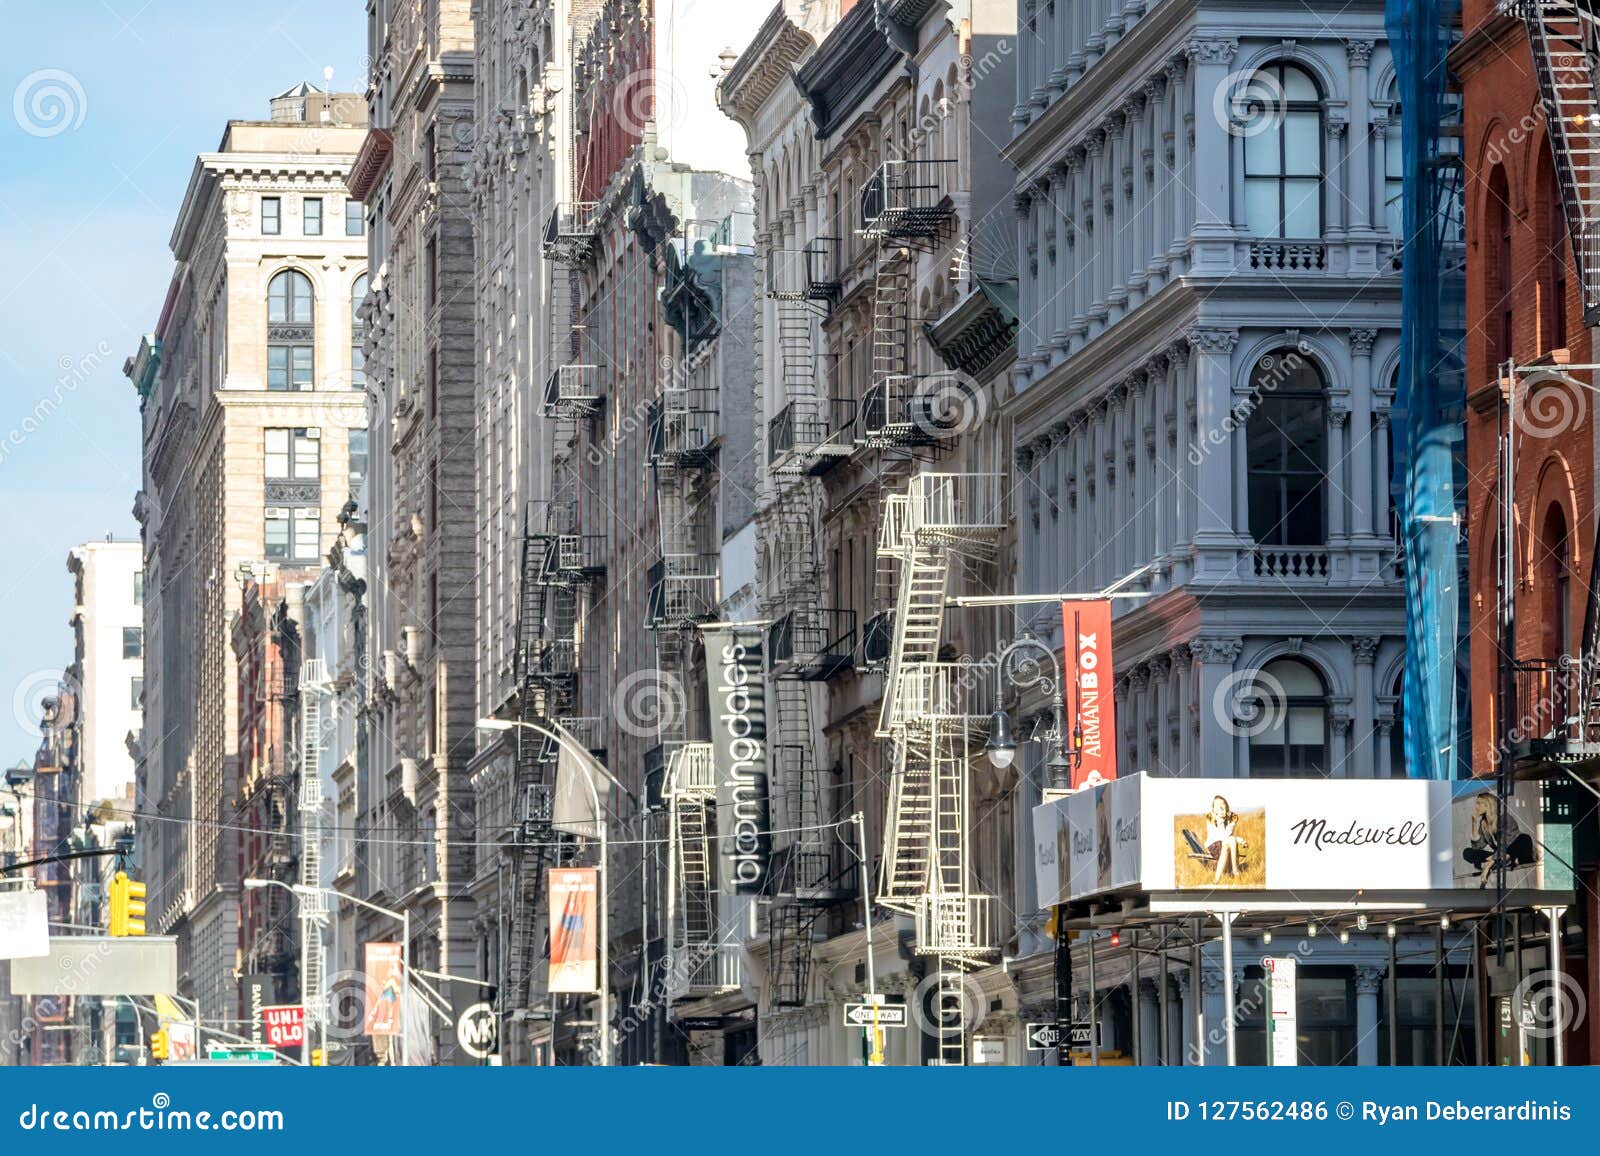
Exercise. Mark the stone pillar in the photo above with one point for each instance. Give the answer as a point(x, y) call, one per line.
point(1021, 111)
point(1038, 49)
point(1338, 190)
point(1384, 739)
point(1180, 714)
point(1083, 253)
point(1364, 487)
point(1178, 195)
point(1029, 542)
point(1339, 721)
point(1214, 659)
point(1064, 266)
point(1059, 46)
point(1188, 992)
point(1115, 250)
point(1028, 295)
point(1152, 207)
point(1099, 256)
point(1216, 1041)
point(1340, 482)
point(1044, 230)
point(1359, 55)
point(1365, 651)
point(1215, 537)
point(1160, 697)
point(1158, 471)
point(1180, 439)
point(1212, 57)
point(1066, 539)
point(1132, 186)
point(1149, 1023)
point(1369, 982)
point(1075, 38)
point(1380, 443)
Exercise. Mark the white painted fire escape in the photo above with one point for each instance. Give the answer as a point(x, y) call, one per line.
point(700, 963)
point(313, 911)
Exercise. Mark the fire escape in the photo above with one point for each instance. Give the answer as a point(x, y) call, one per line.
point(314, 685)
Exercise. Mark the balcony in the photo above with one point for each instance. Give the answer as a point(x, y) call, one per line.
point(808, 274)
point(877, 642)
point(965, 926)
point(962, 692)
point(1556, 724)
point(908, 199)
point(553, 662)
point(1277, 255)
point(683, 590)
point(572, 391)
point(690, 773)
point(588, 732)
point(812, 645)
point(701, 969)
point(571, 232)
point(684, 428)
point(811, 436)
point(574, 557)
point(916, 410)
point(1293, 564)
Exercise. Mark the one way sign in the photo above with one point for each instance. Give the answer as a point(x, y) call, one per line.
point(1046, 1036)
point(859, 1015)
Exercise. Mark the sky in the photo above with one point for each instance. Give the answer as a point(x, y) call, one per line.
point(103, 106)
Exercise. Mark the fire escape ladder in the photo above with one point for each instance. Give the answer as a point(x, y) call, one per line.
point(1565, 38)
point(313, 914)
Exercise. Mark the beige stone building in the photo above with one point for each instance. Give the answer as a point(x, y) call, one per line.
point(413, 798)
point(254, 431)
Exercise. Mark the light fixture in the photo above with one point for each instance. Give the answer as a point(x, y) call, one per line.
point(1344, 935)
point(1361, 922)
point(1444, 922)
point(1311, 929)
point(1001, 747)
point(1394, 930)
point(494, 724)
point(1266, 938)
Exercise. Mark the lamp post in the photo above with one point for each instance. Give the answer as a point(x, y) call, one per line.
point(590, 765)
point(404, 917)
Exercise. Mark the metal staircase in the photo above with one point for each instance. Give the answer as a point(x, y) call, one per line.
point(700, 959)
point(313, 909)
point(1564, 36)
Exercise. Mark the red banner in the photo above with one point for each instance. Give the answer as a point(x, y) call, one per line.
point(383, 989)
point(285, 1024)
point(1091, 714)
point(574, 936)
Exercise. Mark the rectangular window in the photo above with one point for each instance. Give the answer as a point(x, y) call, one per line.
point(430, 271)
point(271, 216)
point(289, 367)
point(307, 523)
point(136, 695)
point(359, 442)
point(138, 587)
point(308, 454)
point(312, 216)
point(355, 221)
point(132, 642)
point(277, 534)
point(294, 454)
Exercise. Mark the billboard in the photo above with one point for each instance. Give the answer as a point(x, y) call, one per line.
point(24, 924)
point(574, 934)
point(737, 674)
point(384, 985)
point(1091, 713)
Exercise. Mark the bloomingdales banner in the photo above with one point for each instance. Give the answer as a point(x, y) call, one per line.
point(1203, 835)
point(736, 670)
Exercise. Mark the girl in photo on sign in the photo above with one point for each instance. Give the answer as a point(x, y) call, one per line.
point(1222, 843)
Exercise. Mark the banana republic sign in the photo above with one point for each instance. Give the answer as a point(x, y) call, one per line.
point(734, 660)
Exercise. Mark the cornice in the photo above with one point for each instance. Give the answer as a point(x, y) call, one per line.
point(847, 66)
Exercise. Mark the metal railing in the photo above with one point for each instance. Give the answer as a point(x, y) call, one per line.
point(925, 691)
point(572, 389)
point(813, 642)
point(957, 924)
point(1554, 707)
point(690, 773)
point(908, 198)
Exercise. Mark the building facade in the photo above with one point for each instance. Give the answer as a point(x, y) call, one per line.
point(248, 414)
point(108, 644)
point(418, 323)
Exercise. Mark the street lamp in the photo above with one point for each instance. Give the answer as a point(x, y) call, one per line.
point(404, 917)
point(590, 765)
point(1028, 664)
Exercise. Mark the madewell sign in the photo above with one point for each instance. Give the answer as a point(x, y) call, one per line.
point(739, 751)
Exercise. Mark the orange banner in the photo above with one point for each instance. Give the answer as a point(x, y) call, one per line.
point(574, 931)
point(384, 987)
point(1091, 713)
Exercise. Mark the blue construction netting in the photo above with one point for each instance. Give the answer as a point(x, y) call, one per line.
point(1429, 446)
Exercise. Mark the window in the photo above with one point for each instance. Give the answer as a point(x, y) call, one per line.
point(1283, 155)
point(293, 533)
point(291, 332)
point(136, 694)
point(138, 587)
point(1500, 284)
point(294, 454)
point(1287, 717)
point(132, 642)
point(1556, 221)
point(359, 441)
point(1394, 177)
point(358, 334)
point(1287, 449)
point(430, 271)
point(311, 217)
point(355, 221)
point(271, 216)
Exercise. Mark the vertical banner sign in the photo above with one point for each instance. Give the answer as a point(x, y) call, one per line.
point(383, 989)
point(737, 674)
point(257, 992)
point(574, 938)
point(1283, 1049)
point(1090, 719)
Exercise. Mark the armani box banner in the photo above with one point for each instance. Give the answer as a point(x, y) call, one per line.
point(734, 659)
point(1091, 719)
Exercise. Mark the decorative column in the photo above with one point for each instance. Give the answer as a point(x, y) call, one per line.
point(1158, 476)
point(1338, 192)
point(1216, 538)
point(1364, 489)
point(1082, 251)
point(1044, 231)
point(1380, 441)
point(1213, 231)
point(1365, 652)
point(1132, 186)
point(1114, 251)
point(1105, 464)
point(1021, 112)
point(1065, 265)
point(1160, 698)
point(1180, 712)
point(1216, 1047)
point(1339, 731)
point(1152, 206)
point(1075, 37)
point(1180, 438)
point(1029, 542)
point(1359, 55)
point(1188, 992)
point(1028, 288)
point(1060, 25)
point(1099, 256)
point(1214, 659)
point(1066, 538)
point(1369, 982)
point(1339, 468)
point(1139, 695)
point(1149, 1023)
point(1177, 141)
point(1038, 48)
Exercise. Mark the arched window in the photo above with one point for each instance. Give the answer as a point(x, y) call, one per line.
point(1394, 174)
point(1287, 448)
point(1555, 216)
point(291, 331)
point(1288, 721)
point(358, 334)
point(1282, 133)
point(1499, 216)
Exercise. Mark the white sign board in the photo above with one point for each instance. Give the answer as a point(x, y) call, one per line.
point(24, 924)
point(143, 965)
point(1282, 1001)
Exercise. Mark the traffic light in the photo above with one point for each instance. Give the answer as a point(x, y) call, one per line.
point(127, 905)
point(159, 1049)
point(319, 1058)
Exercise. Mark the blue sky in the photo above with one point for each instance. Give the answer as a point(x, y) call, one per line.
point(89, 186)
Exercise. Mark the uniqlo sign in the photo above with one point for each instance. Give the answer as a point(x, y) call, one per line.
point(285, 1026)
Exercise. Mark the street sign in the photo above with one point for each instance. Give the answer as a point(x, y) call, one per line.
point(1282, 1010)
point(1046, 1037)
point(860, 1015)
point(244, 1055)
point(285, 1025)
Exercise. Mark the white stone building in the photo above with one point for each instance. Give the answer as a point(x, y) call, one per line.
point(108, 641)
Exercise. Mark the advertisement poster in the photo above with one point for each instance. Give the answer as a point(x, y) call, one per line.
point(574, 931)
point(285, 1025)
point(383, 989)
point(734, 660)
point(1091, 719)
